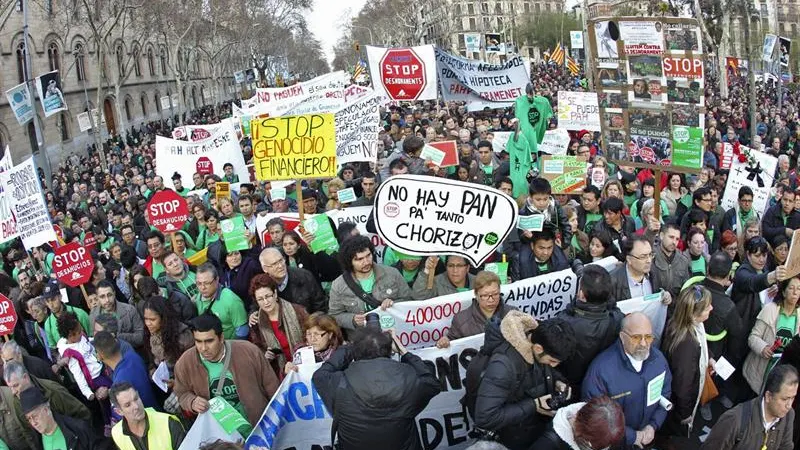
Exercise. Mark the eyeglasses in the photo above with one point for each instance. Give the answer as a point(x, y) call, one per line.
point(647, 257)
point(205, 283)
point(456, 266)
point(311, 335)
point(489, 296)
point(647, 338)
point(275, 264)
point(266, 297)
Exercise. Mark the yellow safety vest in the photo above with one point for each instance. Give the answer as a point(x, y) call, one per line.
point(158, 436)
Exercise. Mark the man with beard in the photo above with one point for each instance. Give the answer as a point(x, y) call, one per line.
point(636, 376)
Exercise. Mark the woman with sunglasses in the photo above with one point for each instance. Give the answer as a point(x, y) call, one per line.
point(777, 323)
point(276, 326)
point(686, 350)
point(751, 278)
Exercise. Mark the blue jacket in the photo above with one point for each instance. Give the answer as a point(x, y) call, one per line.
point(612, 374)
point(131, 368)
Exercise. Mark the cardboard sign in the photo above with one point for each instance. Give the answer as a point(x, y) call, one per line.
point(739, 176)
point(534, 222)
point(357, 130)
point(683, 67)
point(578, 111)
point(167, 211)
point(73, 264)
point(567, 174)
point(346, 195)
point(424, 216)
point(294, 147)
point(8, 223)
point(89, 241)
point(8, 316)
point(555, 142)
point(450, 149)
point(793, 260)
point(222, 189)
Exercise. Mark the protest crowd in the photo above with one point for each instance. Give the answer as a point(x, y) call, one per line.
point(200, 331)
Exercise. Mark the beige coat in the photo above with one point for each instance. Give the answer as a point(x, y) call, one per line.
point(762, 336)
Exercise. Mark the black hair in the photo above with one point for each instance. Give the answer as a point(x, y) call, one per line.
point(106, 284)
point(276, 221)
point(147, 287)
point(557, 338)
point(485, 144)
point(697, 216)
point(67, 323)
point(155, 234)
point(596, 284)
point(500, 182)
point(612, 204)
point(719, 265)
point(756, 244)
point(345, 231)
point(745, 190)
point(370, 175)
point(206, 322)
point(778, 240)
point(370, 343)
point(592, 189)
point(351, 247)
point(118, 388)
point(397, 164)
point(539, 186)
point(780, 375)
point(626, 245)
point(546, 234)
point(106, 344)
point(413, 144)
point(700, 193)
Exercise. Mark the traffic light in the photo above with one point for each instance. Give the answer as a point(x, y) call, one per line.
point(357, 47)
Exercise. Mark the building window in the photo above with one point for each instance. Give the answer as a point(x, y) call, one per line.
point(120, 61)
point(163, 57)
point(143, 101)
point(64, 125)
point(486, 24)
point(527, 7)
point(498, 8)
point(80, 62)
point(150, 62)
point(458, 9)
point(128, 109)
point(471, 9)
point(472, 24)
point(22, 72)
point(53, 56)
point(137, 67)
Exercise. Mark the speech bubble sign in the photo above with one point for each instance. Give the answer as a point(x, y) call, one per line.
point(425, 216)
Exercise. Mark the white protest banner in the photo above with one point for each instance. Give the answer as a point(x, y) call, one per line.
point(480, 84)
point(197, 133)
point(50, 94)
point(84, 121)
point(8, 224)
point(759, 178)
point(578, 111)
point(319, 95)
point(19, 99)
point(236, 111)
point(403, 73)
point(555, 142)
point(358, 216)
point(355, 92)
point(206, 429)
point(652, 307)
point(423, 216)
point(180, 156)
point(165, 102)
point(21, 185)
point(421, 323)
point(296, 417)
point(500, 140)
point(357, 127)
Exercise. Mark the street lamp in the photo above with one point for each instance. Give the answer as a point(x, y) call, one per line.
point(80, 67)
point(371, 41)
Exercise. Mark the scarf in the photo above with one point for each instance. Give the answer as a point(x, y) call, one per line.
point(551, 206)
point(288, 323)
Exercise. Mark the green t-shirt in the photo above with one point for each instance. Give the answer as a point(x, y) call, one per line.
point(368, 283)
point(55, 441)
point(229, 390)
point(784, 329)
point(157, 269)
point(591, 219)
point(409, 275)
point(188, 285)
point(51, 325)
point(698, 266)
point(105, 245)
point(228, 307)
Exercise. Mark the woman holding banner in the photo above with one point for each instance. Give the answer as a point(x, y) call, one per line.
point(485, 305)
point(322, 334)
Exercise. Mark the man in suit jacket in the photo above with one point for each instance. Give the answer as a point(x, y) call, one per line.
point(635, 278)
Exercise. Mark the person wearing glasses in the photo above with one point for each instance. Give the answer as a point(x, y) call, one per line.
point(295, 284)
point(736, 217)
point(220, 301)
point(323, 334)
point(276, 326)
point(636, 376)
point(752, 278)
point(485, 306)
point(702, 200)
point(455, 279)
point(635, 278)
point(775, 326)
point(686, 350)
point(781, 219)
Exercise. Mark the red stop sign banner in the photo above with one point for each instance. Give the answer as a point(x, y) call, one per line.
point(89, 241)
point(73, 264)
point(204, 166)
point(403, 74)
point(168, 211)
point(8, 316)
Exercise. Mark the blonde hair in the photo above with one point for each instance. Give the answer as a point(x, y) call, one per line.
point(338, 184)
point(485, 278)
point(687, 307)
point(613, 181)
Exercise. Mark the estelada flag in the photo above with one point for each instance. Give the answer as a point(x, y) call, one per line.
point(573, 66)
point(558, 55)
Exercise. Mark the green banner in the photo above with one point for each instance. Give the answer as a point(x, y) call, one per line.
point(233, 233)
point(567, 174)
point(324, 236)
point(687, 147)
point(500, 269)
point(228, 417)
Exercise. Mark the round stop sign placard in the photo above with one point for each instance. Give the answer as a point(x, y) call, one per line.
point(73, 264)
point(8, 316)
point(403, 74)
point(167, 211)
point(204, 166)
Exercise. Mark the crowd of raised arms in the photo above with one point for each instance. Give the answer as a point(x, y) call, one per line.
point(78, 370)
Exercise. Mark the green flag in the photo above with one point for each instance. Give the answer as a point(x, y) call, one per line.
point(519, 157)
point(534, 116)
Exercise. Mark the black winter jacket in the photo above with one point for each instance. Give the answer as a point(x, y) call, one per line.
point(746, 286)
point(304, 290)
point(596, 328)
point(375, 402)
point(773, 225)
point(511, 382)
point(525, 265)
point(79, 435)
point(724, 318)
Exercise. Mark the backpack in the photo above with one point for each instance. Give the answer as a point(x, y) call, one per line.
point(744, 419)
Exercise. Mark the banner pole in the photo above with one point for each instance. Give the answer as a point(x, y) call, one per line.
point(299, 190)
